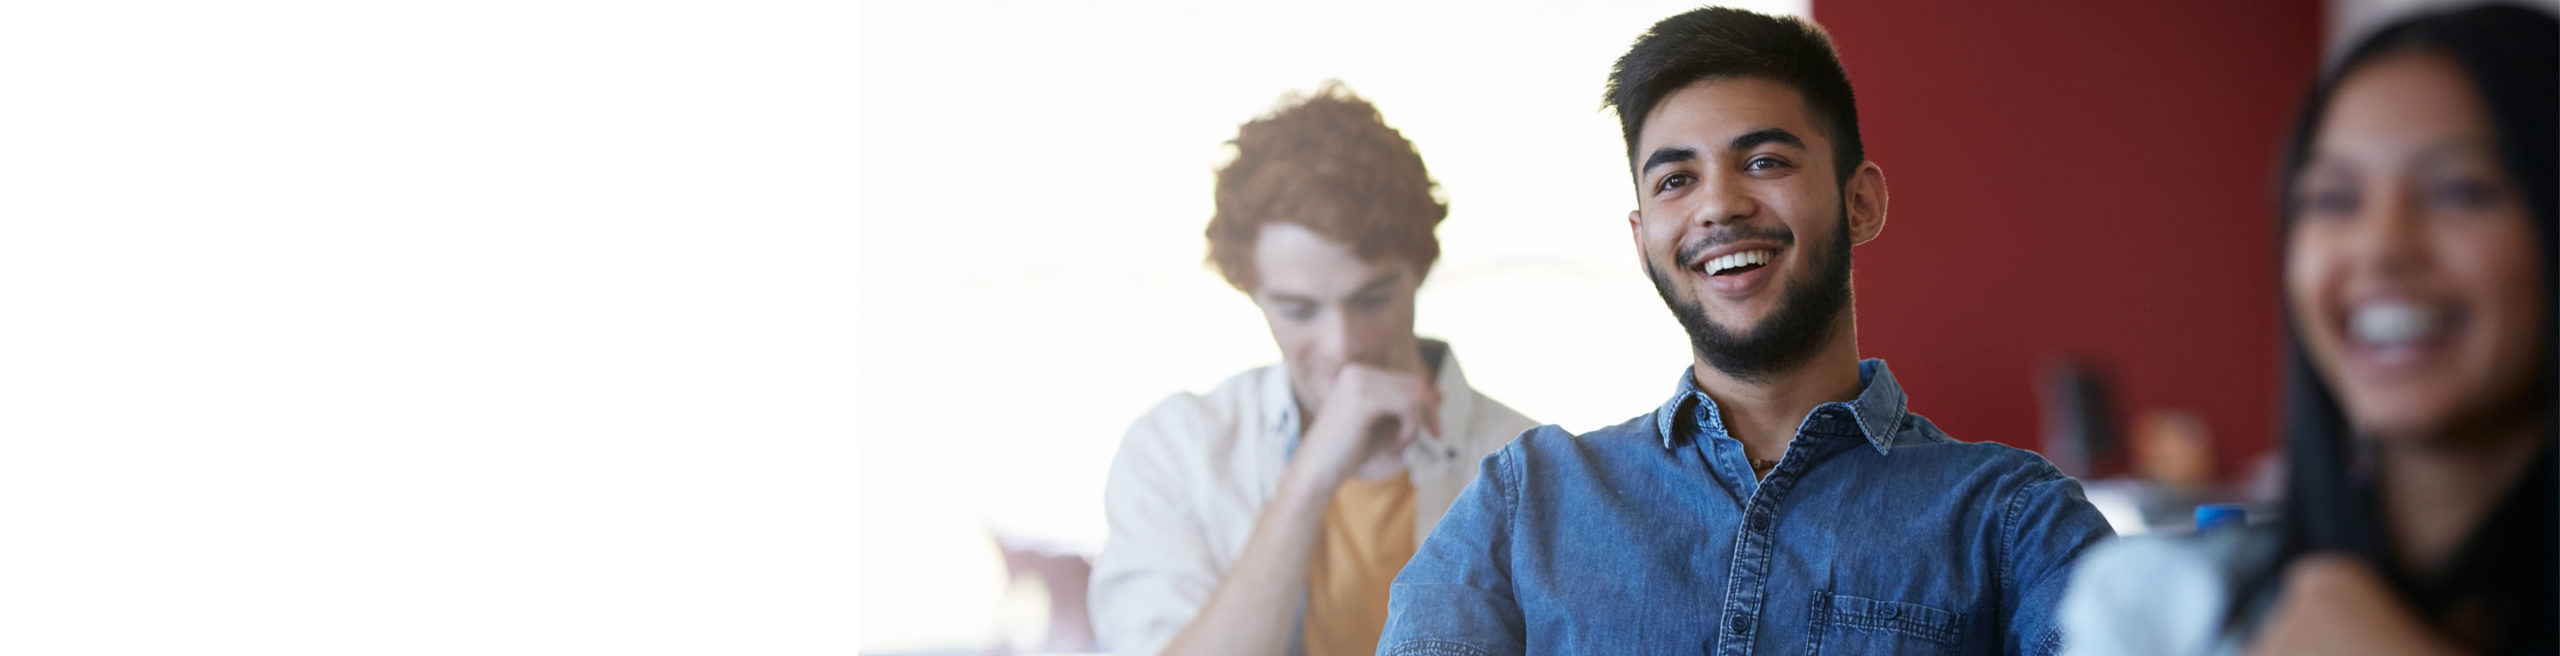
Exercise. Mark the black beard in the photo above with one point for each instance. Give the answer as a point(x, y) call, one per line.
point(1797, 328)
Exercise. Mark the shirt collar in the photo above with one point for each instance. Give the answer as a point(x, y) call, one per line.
point(1878, 410)
point(1280, 405)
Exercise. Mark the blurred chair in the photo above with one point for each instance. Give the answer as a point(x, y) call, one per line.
point(2080, 420)
point(1044, 609)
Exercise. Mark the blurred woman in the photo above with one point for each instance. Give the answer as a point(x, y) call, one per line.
point(2417, 208)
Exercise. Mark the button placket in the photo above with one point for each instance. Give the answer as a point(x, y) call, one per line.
point(1746, 584)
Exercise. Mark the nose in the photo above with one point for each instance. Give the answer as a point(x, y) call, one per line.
point(2391, 237)
point(1333, 335)
point(1347, 337)
point(1722, 199)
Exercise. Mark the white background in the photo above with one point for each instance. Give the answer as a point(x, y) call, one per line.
point(1037, 176)
point(427, 328)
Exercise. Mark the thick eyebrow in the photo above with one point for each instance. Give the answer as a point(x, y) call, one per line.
point(1748, 140)
point(2452, 150)
point(1755, 138)
point(1667, 155)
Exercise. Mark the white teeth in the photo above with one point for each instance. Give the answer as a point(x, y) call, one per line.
point(1737, 260)
point(2391, 322)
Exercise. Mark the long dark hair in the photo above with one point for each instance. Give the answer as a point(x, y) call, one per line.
point(2512, 57)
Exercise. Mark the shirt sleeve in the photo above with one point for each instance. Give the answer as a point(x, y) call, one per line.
point(1155, 570)
point(2047, 526)
point(1454, 598)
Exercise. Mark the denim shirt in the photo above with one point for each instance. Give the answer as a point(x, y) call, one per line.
point(1875, 534)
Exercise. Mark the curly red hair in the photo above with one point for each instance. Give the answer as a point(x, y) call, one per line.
point(1327, 161)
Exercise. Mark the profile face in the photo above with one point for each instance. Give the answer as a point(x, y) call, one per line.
point(1328, 307)
point(1740, 221)
point(2411, 268)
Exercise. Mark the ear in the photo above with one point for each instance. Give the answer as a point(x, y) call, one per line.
point(1635, 229)
point(1865, 199)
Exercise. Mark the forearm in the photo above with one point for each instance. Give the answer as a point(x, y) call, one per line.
point(1255, 605)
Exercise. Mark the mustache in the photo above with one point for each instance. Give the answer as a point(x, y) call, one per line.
point(1730, 234)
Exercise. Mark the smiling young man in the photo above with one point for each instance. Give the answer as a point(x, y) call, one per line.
point(1785, 499)
point(1270, 515)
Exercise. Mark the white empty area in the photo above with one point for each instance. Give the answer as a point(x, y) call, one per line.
point(466, 327)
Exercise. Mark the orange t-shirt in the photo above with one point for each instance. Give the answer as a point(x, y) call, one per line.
point(1367, 537)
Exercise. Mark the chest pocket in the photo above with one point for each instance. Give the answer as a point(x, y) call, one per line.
point(1844, 624)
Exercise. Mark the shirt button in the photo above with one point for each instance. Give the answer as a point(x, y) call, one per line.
point(1741, 624)
point(1759, 522)
point(1888, 612)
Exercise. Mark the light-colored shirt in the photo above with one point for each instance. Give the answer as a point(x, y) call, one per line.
point(1366, 539)
point(1193, 475)
point(2161, 595)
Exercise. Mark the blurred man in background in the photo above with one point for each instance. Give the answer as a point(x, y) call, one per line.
point(1785, 499)
point(1271, 514)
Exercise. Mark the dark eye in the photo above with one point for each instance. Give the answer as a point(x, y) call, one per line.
point(1762, 164)
point(1298, 311)
point(2328, 201)
point(1675, 181)
point(2467, 193)
point(1370, 302)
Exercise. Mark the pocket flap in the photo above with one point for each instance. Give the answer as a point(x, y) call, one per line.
point(1915, 620)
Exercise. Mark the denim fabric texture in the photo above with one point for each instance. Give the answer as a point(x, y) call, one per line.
point(1875, 534)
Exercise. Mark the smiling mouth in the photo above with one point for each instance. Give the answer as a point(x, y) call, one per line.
point(1736, 263)
point(2399, 323)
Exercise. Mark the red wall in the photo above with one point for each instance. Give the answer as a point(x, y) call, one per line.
point(2084, 178)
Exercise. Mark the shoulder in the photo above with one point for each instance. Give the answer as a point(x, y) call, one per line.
point(1546, 456)
point(1551, 438)
point(1180, 417)
point(1551, 446)
point(2156, 594)
point(2010, 466)
point(1184, 422)
point(2027, 495)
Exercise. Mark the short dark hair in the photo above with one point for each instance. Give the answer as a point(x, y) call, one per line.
point(1719, 42)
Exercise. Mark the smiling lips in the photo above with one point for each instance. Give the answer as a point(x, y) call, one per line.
point(2394, 322)
point(1739, 262)
point(2394, 337)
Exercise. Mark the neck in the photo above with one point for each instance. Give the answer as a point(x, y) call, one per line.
point(2435, 492)
point(1764, 414)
